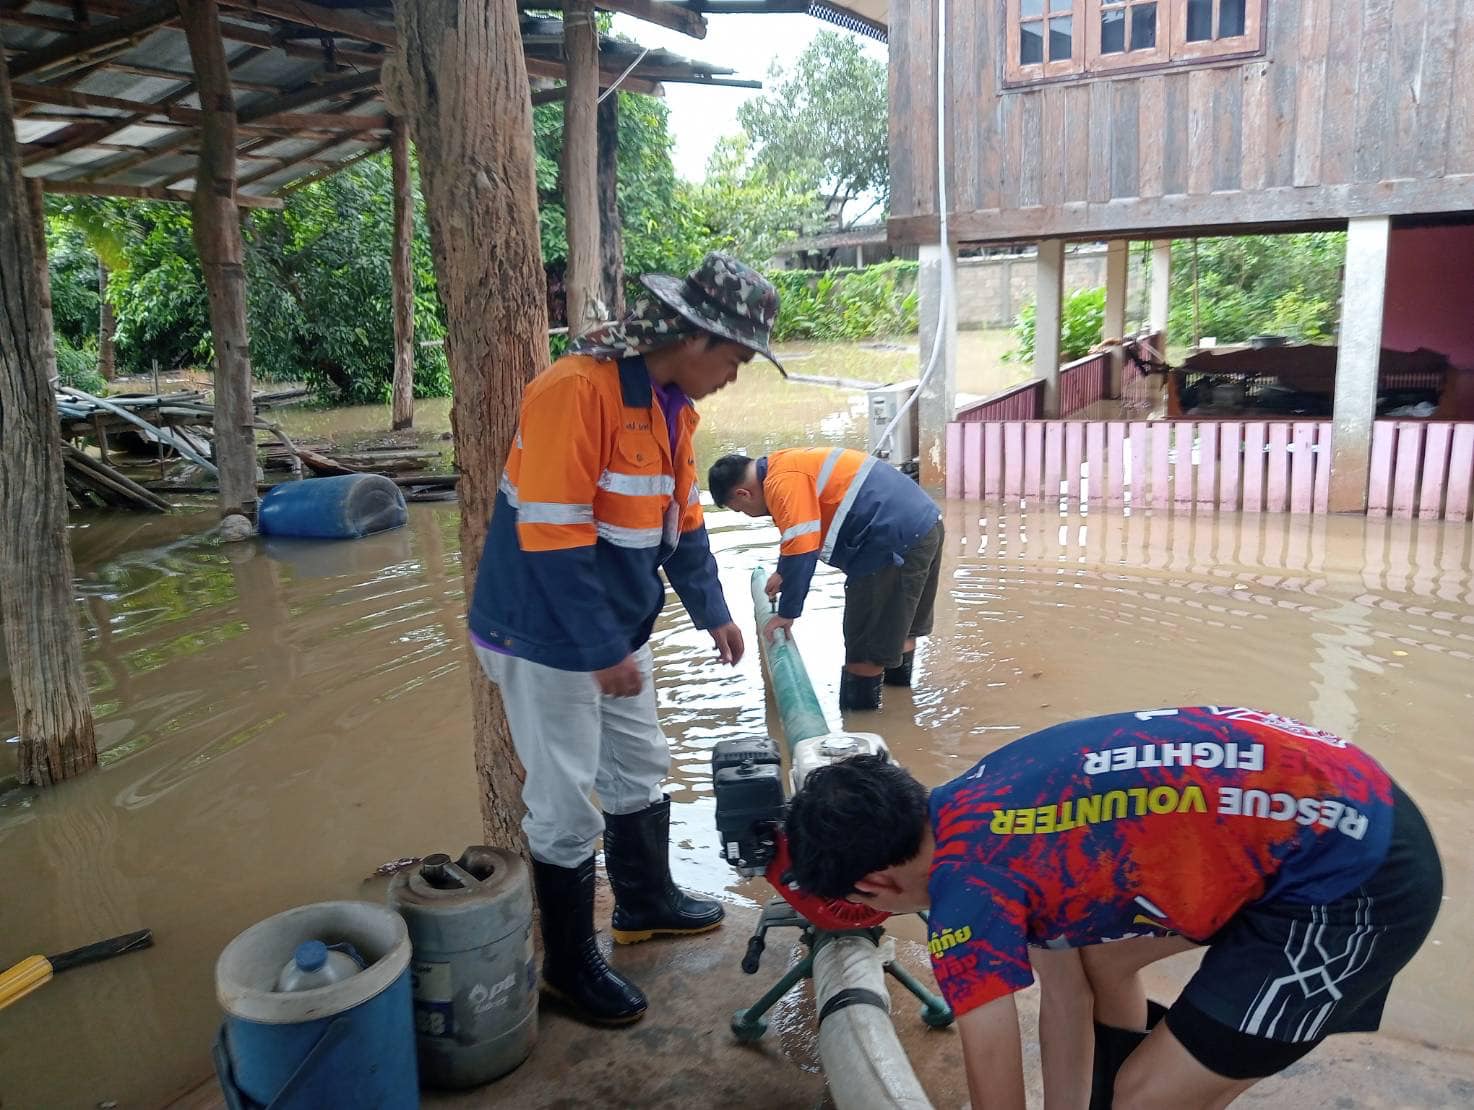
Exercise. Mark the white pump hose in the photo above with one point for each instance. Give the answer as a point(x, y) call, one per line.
point(863, 1062)
point(944, 275)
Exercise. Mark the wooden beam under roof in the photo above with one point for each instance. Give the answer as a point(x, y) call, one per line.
point(340, 21)
point(141, 21)
point(144, 192)
point(662, 13)
point(310, 94)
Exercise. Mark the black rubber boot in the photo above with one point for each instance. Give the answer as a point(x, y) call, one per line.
point(1112, 1046)
point(901, 676)
point(647, 902)
point(574, 970)
point(859, 691)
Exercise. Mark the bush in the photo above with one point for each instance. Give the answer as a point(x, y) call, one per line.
point(846, 304)
point(77, 366)
point(1083, 325)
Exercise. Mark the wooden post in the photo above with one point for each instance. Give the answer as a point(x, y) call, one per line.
point(42, 640)
point(611, 227)
point(460, 80)
point(1118, 259)
point(217, 237)
point(107, 326)
point(403, 273)
point(580, 167)
point(1049, 295)
point(936, 286)
point(1161, 286)
point(1358, 358)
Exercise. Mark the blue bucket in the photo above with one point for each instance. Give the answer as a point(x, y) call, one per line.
point(351, 1043)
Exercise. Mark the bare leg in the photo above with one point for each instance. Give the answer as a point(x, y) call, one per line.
point(864, 670)
point(1162, 1075)
point(1114, 971)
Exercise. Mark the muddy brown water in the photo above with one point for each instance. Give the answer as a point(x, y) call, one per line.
point(278, 719)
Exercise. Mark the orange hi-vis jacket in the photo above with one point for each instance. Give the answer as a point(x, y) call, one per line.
point(594, 501)
point(843, 506)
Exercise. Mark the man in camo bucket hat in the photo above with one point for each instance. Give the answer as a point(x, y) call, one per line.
point(599, 496)
point(723, 297)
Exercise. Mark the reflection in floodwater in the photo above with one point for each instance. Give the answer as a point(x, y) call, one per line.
point(280, 718)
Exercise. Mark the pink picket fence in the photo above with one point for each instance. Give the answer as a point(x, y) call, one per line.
point(1420, 468)
point(1417, 469)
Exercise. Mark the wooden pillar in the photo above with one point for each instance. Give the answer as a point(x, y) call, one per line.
point(107, 327)
point(1161, 286)
point(460, 80)
point(403, 275)
point(1118, 259)
point(1358, 358)
point(580, 169)
point(42, 639)
point(611, 226)
point(936, 282)
point(217, 237)
point(1049, 296)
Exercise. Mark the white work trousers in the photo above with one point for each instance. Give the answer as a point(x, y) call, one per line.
point(573, 739)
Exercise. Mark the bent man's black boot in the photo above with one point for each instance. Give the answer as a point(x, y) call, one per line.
point(901, 675)
point(859, 691)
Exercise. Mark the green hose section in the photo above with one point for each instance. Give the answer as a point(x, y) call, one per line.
point(798, 705)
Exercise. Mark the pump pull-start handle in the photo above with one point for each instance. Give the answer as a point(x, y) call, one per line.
point(833, 914)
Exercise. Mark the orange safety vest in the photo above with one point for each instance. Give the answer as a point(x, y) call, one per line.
point(809, 491)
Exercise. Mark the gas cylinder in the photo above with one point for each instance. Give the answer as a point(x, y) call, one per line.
point(472, 968)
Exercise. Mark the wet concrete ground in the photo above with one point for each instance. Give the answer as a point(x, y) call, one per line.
point(683, 1053)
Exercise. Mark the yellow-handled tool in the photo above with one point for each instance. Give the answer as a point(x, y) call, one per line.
point(36, 971)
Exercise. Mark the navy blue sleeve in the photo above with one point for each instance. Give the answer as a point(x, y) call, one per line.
point(797, 571)
point(571, 575)
point(692, 572)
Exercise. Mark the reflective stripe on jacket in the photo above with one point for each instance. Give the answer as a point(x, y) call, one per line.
point(593, 501)
point(845, 507)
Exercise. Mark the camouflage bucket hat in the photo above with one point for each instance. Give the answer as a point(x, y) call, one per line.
point(725, 297)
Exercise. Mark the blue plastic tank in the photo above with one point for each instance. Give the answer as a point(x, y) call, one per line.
point(341, 508)
point(349, 1043)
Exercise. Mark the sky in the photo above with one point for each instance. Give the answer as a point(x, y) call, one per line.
point(748, 44)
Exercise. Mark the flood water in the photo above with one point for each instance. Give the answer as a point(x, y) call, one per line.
point(279, 719)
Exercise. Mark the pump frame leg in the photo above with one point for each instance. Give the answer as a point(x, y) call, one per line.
point(934, 1012)
point(748, 1025)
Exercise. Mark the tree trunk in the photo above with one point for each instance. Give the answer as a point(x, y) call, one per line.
point(107, 326)
point(217, 237)
point(611, 226)
point(402, 267)
point(460, 81)
point(580, 166)
point(42, 640)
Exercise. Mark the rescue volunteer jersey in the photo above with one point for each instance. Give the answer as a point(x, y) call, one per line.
point(846, 507)
point(1168, 820)
point(599, 494)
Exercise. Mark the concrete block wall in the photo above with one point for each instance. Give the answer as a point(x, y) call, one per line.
point(991, 291)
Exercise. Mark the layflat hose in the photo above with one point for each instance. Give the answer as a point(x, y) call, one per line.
point(863, 1061)
point(798, 705)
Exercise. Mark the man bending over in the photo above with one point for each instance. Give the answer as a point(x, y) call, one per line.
point(1093, 848)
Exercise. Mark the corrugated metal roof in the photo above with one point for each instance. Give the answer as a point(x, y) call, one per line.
point(141, 95)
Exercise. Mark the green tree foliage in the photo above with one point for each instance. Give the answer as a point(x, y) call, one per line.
point(847, 304)
point(825, 121)
point(1258, 284)
point(321, 294)
point(1084, 319)
point(748, 208)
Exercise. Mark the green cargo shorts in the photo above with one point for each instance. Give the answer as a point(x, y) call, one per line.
point(894, 604)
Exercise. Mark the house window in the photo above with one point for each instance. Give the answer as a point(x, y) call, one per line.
point(1061, 38)
point(1044, 38)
